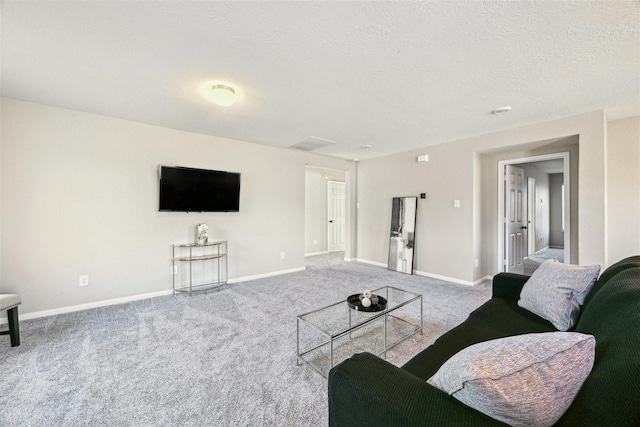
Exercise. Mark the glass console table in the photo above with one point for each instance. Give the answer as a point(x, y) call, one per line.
point(213, 274)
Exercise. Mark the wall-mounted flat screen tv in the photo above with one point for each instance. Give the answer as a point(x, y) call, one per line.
point(198, 190)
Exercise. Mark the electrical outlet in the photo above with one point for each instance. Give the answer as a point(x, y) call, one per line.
point(477, 263)
point(315, 242)
point(282, 255)
point(174, 269)
point(83, 280)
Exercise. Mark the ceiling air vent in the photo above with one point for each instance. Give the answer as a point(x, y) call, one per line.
point(311, 143)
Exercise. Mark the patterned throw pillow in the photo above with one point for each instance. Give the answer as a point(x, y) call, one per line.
point(555, 291)
point(522, 380)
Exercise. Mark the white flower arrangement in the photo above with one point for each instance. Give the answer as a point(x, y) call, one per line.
point(366, 298)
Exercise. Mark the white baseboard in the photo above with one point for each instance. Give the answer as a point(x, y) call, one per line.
point(433, 276)
point(366, 261)
point(80, 307)
point(317, 253)
point(445, 278)
point(452, 279)
point(104, 303)
point(482, 280)
point(262, 276)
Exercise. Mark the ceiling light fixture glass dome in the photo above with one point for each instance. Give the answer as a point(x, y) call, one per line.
point(223, 95)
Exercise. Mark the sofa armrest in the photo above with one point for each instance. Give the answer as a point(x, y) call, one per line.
point(508, 285)
point(365, 390)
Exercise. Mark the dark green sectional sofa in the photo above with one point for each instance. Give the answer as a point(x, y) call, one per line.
point(365, 390)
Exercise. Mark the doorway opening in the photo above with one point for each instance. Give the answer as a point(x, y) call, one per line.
point(533, 212)
point(327, 222)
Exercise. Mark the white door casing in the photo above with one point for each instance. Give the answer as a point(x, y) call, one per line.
point(336, 217)
point(531, 215)
point(515, 220)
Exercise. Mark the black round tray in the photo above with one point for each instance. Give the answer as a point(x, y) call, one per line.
point(354, 302)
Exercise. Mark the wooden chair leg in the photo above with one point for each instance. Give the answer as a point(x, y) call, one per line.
point(14, 326)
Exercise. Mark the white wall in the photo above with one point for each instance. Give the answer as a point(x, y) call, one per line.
point(445, 244)
point(79, 196)
point(624, 187)
point(443, 234)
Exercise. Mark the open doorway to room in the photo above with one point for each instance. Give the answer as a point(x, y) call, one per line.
point(326, 224)
point(533, 211)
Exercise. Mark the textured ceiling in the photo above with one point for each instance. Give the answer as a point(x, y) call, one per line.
point(396, 75)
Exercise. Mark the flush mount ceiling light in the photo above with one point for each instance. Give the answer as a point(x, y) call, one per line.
point(501, 110)
point(223, 95)
point(365, 146)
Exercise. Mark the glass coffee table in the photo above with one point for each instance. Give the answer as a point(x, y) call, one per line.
point(331, 334)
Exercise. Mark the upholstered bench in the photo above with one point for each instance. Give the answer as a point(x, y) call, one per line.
point(10, 303)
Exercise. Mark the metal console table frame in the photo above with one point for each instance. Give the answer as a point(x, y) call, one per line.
point(218, 255)
point(343, 331)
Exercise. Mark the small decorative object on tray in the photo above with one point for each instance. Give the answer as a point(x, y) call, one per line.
point(366, 301)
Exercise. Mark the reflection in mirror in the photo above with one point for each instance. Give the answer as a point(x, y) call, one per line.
point(402, 238)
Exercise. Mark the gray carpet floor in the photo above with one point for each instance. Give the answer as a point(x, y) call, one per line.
point(227, 358)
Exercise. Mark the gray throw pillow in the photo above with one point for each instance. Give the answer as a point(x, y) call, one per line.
point(524, 380)
point(555, 291)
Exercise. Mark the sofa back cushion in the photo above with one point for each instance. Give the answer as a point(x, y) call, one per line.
point(612, 271)
point(556, 291)
point(611, 393)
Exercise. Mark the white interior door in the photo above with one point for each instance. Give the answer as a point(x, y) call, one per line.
point(515, 222)
point(336, 218)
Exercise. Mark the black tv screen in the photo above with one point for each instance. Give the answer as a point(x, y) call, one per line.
point(198, 190)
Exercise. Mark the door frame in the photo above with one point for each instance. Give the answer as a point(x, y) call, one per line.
point(531, 215)
point(567, 201)
point(349, 179)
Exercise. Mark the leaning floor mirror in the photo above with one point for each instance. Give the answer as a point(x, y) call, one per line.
point(402, 239)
